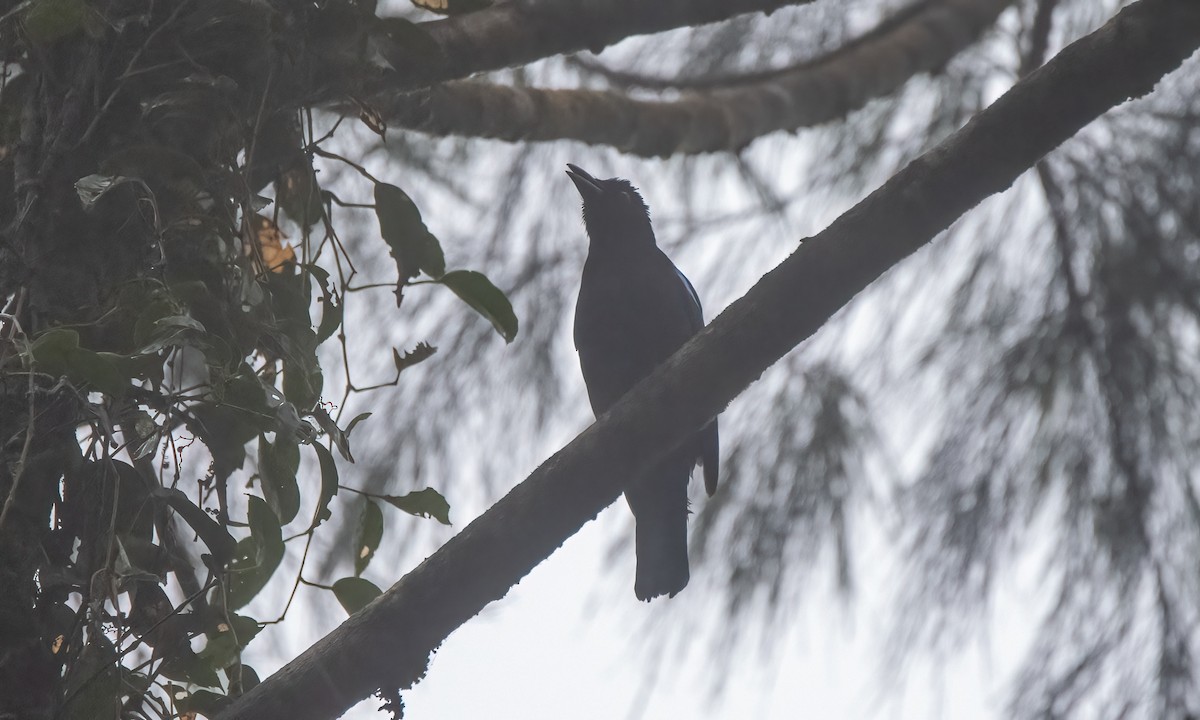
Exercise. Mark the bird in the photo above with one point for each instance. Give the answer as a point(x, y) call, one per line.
point(635, 309)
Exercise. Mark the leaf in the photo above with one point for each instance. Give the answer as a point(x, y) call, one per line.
point(276, 255)
point(51, 352)
point(423, 351)
point(422, 503)
point(101, 371)
point(299, 194)
point(226, 641)
point(220, 543)
point(329, 485)
point(91, 188)
point(452, 7)
point(414, 248)
point(485, 298)
point(257, 556)
point(57, 352)
point(93, 684)
point(302, 380)
point(235, 421)
point(331, 317)
point(367, 535)
point(277, 466)
point(373, 119)
point(50, 20)
point(142, 434)
point(144, 554)
point(186, 666)
point(340, 440)
point(127, 571)
point(355, 593)
point(169, 331)
point(205, 702)
point(357, 419)
point(243, 680)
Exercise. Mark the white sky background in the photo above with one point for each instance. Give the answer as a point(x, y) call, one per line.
point(558, 647)
point(571, 641)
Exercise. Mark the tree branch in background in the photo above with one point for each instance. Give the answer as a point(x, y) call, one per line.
point(388, 643)
point(510, 34)
point(922, 40)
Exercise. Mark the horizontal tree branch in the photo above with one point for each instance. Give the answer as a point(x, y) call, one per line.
point(511, 33)
point(389, 642)
point(923, 39)
point(624, 78)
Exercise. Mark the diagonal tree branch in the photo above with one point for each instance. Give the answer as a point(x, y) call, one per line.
point(922, 39)
point(389, 642)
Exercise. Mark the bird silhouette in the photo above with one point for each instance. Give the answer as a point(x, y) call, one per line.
point(635, 309)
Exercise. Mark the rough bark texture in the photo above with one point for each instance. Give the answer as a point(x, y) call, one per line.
point(922, 39)
point(388, 643)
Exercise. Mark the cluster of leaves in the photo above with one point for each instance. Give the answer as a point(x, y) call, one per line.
point(170, 327)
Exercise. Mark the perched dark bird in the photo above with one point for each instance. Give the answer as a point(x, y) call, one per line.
point(635, 310)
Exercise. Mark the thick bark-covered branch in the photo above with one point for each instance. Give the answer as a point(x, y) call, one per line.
point(924, 39)
point(389, 642)
point(509, 34)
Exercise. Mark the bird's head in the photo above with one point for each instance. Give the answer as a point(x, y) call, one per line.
point(611, 208)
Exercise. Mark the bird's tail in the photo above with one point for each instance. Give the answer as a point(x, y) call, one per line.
point(659, 504)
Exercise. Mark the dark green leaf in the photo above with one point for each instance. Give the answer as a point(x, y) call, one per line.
point(331, 318)
point(277, 466)
point(367, 535)
point(218, 540)
point(100, 371)
point(50, 20)
point(186, 666)
point(422, 352)
point(414, 248)
point(477, 291)
point(354, 593)
point(228, 426)
point(94, 683)
point(257, 556)
point(299, 194)
point(302, 380)
point(205, 702)
point(227, 639)
point(125, 569)
point(144, 554)
point(57, 352)
point(150, 308)
point(135, 514)
point(244, 678)
point(423, 503)
point(329, 485)
point(53, 349)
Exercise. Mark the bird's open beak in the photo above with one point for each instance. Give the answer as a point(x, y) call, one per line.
point(587, 185)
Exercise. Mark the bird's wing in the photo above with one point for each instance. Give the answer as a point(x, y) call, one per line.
point(697, 316)
point(708, 437)
point(710, 456)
